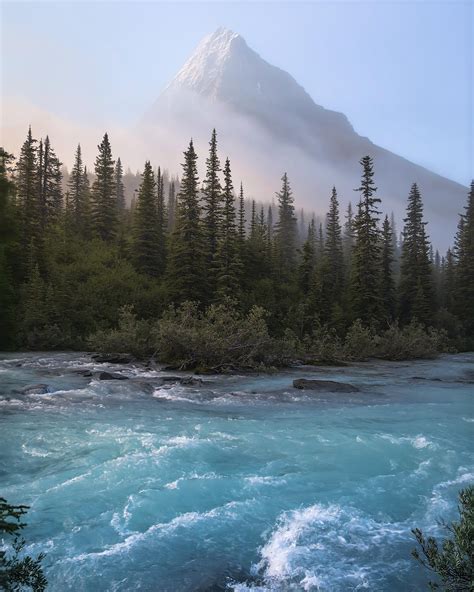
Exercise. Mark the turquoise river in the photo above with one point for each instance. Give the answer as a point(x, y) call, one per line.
point(240, 483)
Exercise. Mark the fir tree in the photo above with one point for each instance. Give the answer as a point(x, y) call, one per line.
point(388, 284)
point(365, 295)
point(348, 237)
point(212, 206)
point(146, 240)
point(186, 268)
point(285, 229)
point(119, 187)
point(171, 206)
point(333, 253)
point(78, 206)
point(161, 220)
point(228, 263)
point(104, 197)
point(49, 181)
point(464, 275)
point(416, 279)
point(241, 222)
point(308, 260)
point(28, 194)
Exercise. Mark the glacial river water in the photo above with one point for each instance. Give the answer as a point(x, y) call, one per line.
point(243, 483)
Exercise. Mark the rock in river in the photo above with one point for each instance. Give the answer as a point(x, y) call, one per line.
point(35, 389)
point(324, 385)
point(110, 376)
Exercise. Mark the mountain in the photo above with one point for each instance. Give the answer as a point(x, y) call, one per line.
point(267, 124)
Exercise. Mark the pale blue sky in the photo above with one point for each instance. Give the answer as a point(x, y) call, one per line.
point(401, 71)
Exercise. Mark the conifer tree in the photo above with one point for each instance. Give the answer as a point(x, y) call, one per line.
point(212, 206)
point(104, 197)
point(365, 294)
point(241, 221)
point(79, 197)
point(145, 237)
point(228, 263)
point(161, 220)
point(388, 284)
point(464, 274)
point(333, 253)
point(448, 281)
point(348, 237)
point(285, 229)
point(28, 194)
point(186, 268)
point(49, 181)
point(171, 206)
point(8, 239)
point(119, 186)
point(416, 278)
point(308, 260)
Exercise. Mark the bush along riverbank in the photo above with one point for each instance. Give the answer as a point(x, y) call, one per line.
point(223, 339)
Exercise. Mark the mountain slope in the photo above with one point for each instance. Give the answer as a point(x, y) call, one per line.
point(268, 124)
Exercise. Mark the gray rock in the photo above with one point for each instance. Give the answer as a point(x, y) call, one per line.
point(113, 358)
point(110, 376)
point(324, 385)
point(35, 389)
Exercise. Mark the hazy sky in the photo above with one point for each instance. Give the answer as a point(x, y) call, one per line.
point(401, 71)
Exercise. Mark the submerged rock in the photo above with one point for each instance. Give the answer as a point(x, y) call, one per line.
point(113, 358)
point(324, 385)
point(35, 389)
point(110, 376)
point(86, 373)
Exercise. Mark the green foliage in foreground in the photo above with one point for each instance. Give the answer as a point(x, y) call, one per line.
point(18, 571)
point(452, 560)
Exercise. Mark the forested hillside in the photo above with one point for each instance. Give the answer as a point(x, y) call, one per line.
point(71, 260)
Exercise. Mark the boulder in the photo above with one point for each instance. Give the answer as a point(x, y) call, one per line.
point(112, 358)
point(110, 376)
point(190, 381)
point(324, 385)
point(35, 389)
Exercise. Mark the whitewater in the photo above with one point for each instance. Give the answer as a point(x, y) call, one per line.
point(237, 483)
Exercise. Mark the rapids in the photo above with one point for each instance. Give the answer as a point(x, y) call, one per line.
point(242, 483)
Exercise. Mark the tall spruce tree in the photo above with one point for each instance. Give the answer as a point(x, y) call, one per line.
point(285, 230)
point(171, 206)
point(388, 284)
point(212, 206)
point(228, 263)
point(333, 279)
point(119, 186)
point(79, 206)
point(365, 288)
point(416, 298)
point(28, 197)
point(49, 184)
point(8, 253)
point(161, 220)
point(145, 236)
point(308, 260)
point(186, 267)
point(104, 197)
point(464, 273)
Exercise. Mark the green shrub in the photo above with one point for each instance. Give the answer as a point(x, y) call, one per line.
point(323, 346)
point(410, 342)
point(360, 342)
point(133, 336)
point(220, 339)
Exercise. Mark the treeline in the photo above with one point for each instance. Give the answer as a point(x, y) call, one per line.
point(71, 260)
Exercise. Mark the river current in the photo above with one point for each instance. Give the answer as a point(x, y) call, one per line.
point(241, 483)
